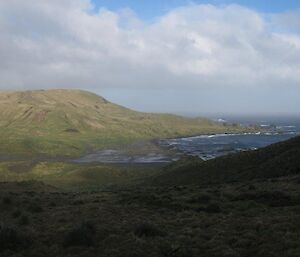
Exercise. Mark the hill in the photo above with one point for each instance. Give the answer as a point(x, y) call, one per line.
point(69, 122)
point(277, 160)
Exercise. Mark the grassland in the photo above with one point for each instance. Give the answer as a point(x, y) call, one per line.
point(258, 218)
point(73, 176)
point(71, 122)
point(248, 206)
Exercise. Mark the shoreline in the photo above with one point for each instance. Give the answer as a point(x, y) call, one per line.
point(138, 149)
point(233, 134)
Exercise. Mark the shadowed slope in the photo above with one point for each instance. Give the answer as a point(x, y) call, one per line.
point(281, 159)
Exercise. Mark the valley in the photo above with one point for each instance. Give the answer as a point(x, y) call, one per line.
point(80, 176)
point(244, 208)
point(149, 128)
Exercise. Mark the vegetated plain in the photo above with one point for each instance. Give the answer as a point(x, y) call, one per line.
point(242, 205)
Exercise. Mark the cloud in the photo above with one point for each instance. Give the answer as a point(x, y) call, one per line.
point(70, 44)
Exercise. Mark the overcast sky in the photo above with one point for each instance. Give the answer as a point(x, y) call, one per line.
point(172, 56)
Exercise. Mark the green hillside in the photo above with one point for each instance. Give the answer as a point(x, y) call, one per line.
point(277, 160)
point(69, 122)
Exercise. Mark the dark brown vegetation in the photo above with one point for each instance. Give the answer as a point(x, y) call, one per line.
point(242, 213)
point(243, 219)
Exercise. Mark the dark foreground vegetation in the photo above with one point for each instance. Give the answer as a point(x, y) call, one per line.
point(245, 219)
point(248, 212)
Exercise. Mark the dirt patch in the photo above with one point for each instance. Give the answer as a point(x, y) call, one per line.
point(41, 116)
point(71, 130)
point(22, 167)
point(94, 124)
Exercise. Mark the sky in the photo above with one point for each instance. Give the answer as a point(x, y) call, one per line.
point(149, 10)
point(187, 57)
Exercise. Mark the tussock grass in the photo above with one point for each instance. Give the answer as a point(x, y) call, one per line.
point(71, 122)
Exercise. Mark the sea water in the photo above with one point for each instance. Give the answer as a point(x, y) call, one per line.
point(212, 146)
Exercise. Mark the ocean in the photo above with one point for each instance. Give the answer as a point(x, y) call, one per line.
point(212, 146)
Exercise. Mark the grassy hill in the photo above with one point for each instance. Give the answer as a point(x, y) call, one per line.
point(277, 160)
point(69, 122)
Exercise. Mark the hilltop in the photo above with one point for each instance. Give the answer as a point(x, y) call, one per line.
point(70, 122)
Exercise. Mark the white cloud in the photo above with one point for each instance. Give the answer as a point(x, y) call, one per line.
point(67, 43)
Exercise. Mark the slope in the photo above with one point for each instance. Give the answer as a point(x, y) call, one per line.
point(70, 122)
point(277, 160)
